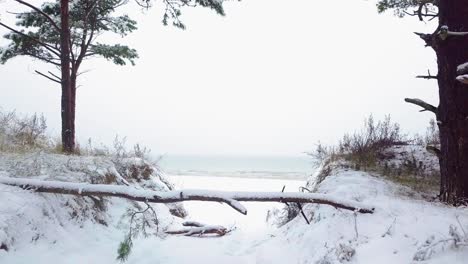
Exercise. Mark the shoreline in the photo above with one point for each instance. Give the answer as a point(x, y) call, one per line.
point(233, 175)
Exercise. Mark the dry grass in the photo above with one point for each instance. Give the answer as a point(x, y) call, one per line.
point(368, 150)
point(22, 133)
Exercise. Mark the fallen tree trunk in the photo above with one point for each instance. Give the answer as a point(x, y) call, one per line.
point(233, 199)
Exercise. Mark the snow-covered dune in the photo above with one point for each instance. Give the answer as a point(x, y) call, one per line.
point(50, 220)
point(405, 228)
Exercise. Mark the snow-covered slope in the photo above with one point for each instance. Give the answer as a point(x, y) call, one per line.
point(27, 218)
point(405, 228)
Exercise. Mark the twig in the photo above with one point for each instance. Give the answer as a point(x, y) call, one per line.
point(461, 227)
point(388, 232)
point(48, 77)
point(355, 225)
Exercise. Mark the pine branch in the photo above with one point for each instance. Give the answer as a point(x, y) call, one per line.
point(40, 58)
point(46, 46)
point(40, 12)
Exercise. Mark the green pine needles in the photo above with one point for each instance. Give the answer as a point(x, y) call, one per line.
point(37, 34)
point(125, 248)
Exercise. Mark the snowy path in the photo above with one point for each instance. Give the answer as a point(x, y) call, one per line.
point(237, 247)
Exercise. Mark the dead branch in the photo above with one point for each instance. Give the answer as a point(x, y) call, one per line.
point(429, 76)
point(424, 105)
point(199, 229)
point(428, 38)
point(48, 77)
point(51, 73)
point(233, 199)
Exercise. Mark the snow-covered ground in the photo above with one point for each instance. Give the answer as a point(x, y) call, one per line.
point(92, 243)
point(405, 228)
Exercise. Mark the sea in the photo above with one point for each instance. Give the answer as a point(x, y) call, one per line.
point(270, 167)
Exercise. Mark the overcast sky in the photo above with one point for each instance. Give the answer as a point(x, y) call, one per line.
point(273, 77)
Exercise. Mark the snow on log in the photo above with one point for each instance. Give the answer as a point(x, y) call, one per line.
point(200, 229)
point(233, 199)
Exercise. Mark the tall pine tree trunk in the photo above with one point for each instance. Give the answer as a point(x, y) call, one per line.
point(67, 102)
point(73, 78)
point(453, 108)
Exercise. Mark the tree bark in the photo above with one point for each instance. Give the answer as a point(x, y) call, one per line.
point(453, 107)
point(67, 102)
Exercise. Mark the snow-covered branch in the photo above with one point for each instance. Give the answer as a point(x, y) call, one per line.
point(463, 78)
point(233, 199)
point(462, 72)
point(195, 228)
point(424, 105)
point(444, 33)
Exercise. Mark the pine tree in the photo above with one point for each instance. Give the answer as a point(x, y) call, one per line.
point(40, 38)
point(64, 34)
point(450, 43)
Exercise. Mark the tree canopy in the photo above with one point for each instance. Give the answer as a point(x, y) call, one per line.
point(39, 36)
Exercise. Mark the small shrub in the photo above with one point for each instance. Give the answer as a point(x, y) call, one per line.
point(379, 146)
point(22, 133)
point(365, 147)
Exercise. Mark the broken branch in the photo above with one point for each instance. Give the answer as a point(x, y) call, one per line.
point(429, 76)
point(424, 105)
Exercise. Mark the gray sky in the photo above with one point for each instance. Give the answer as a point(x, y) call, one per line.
point(271, 78)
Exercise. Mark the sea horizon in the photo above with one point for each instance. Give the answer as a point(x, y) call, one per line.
point(243, 166)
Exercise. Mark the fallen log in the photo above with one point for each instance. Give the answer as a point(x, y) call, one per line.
point(232, 199)
point(200, 229)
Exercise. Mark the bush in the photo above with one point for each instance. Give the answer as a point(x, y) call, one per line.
point(364, 148)
point(381, 147)
point(21, 133)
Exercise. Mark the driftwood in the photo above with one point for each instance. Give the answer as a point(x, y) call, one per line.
point(232, 199)
point(199, 229)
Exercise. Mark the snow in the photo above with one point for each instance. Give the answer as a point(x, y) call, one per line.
point(462, 68)
point(398, 156)
point(463, 78)
point(403, 226)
